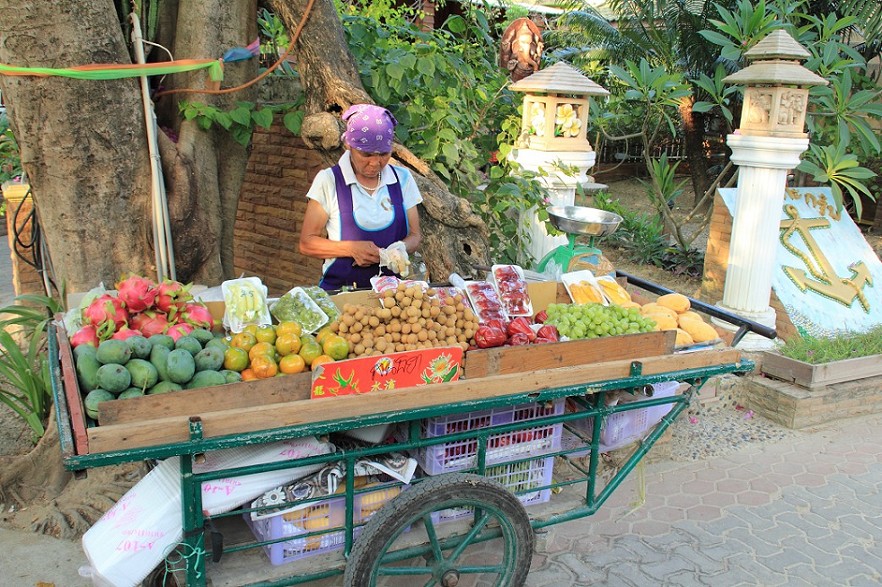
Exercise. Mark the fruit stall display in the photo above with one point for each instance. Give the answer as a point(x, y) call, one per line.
point(147, 339)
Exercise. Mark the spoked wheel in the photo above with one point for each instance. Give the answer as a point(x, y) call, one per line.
point(404, 543)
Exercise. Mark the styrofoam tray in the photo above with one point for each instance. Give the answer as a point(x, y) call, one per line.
point(578, 277)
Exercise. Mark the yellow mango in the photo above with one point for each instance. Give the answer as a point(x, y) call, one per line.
point(676, 302)
point(700, 331)
point(683, 338)
point(654, 308)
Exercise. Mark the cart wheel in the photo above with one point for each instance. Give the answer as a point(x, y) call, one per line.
point(448, 554)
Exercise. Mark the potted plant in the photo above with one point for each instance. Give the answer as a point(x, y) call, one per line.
point(813, 362)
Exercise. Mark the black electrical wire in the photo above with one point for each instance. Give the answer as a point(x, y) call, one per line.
point(30, 252)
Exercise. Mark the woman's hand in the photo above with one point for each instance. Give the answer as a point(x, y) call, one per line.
point(364, 253)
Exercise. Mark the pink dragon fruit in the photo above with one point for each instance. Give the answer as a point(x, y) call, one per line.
point(125, 332)
point(137, 293)
point(196, 315)
point(171, 298)
point(176, 331)
point(107, 314)
point(85, 335)
point(149, 323)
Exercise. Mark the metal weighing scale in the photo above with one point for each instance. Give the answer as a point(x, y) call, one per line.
point(575, 221)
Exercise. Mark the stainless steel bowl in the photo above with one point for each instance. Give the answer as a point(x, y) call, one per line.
point(582, 220)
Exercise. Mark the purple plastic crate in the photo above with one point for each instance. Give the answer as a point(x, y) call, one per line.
point(623, 428)
point(520, 478)
point(328, 514)
point(462, 454)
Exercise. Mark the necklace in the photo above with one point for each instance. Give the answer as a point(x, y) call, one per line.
point(367, 189)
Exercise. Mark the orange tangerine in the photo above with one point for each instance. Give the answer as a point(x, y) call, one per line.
point(248, 375)
point(320, 360)
point(262, 348)
point(324, 333)
point(266, 334)
point(310, 351)
point(289, 327)
point(292, 363)
point(336, 346)
point(287, 344)
point(264, 366)
point(235, 359)
point(243, 340)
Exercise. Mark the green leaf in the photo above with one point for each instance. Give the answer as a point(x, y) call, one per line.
point(426, 67)
point(293, 121)
point(242, 115)
point(263, 117)
point(395, 71)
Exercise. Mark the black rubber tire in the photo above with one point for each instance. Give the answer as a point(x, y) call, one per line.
point(413, 507)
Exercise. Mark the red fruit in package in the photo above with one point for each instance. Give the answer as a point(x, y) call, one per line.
point(548, 331)
point(543, 340)
point(521, 325)
point(489, 336)
point(540, 317)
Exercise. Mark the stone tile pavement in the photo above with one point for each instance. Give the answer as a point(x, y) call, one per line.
point(803, 511)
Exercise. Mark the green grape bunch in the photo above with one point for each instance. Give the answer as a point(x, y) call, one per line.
point(596, 320)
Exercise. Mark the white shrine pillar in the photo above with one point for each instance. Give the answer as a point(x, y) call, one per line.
point(766, 147)
point(553, 137)
point(561, 190)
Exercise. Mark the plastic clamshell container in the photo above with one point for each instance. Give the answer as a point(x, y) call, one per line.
point(511, 286)
point(327, 514)
point(613, 290)
point(582, 278)
point(323, 300)
point(523, 479)
point(485, 301)
point(461, 454)
point(304, 310)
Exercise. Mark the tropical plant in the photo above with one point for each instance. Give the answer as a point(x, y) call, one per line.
point(838, 115)
point(817, 350)
point(24, 371)
point(443, 86)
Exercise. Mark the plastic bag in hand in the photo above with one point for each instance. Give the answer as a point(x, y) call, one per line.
point(395, 258)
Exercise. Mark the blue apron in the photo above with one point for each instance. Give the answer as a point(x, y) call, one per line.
point(343, 271)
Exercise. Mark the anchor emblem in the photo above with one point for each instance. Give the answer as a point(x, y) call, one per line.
point(822, 277)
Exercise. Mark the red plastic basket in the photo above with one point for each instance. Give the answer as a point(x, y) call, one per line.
point(505, 446)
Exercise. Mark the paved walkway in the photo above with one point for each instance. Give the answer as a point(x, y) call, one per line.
point(803, 511)
point(7, 292)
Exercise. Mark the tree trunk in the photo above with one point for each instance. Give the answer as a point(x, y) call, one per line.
point(455, 239)
point(84, 147)
point(696, 155)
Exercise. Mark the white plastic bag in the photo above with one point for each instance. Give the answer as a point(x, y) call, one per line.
point(145, 525)
point(395, 258)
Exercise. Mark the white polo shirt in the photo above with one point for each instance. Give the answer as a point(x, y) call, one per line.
point(372, 212)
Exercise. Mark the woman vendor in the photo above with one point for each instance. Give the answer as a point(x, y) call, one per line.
point(367, 206)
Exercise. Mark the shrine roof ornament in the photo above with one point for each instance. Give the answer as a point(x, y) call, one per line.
point(560, 78)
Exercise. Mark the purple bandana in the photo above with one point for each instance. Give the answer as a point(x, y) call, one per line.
point(369, 128)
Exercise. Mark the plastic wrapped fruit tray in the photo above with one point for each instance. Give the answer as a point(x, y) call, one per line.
point(512, 289)
point(462, 454)
point(327, 514)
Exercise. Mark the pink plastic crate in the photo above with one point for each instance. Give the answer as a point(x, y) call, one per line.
point(505, 446)
point(516, 477)
point(623, 428)
point(320, 515)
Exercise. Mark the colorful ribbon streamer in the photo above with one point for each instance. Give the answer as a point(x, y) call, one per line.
point(109, 71)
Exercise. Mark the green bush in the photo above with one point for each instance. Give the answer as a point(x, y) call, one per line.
point(24, 372)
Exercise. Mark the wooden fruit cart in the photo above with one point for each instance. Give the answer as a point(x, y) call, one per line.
point(406, 540)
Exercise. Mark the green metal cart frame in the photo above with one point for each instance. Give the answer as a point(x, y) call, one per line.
point(440, 551)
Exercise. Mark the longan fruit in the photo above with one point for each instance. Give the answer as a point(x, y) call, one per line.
point(449, 310)
point(359, 349)
point(374, 321)
point(357, 327)
point(380, 330)
point(406, 301)
point(395, 311)
point(416, 327)
point(396, 337)
point(434, 311)
point(405, 328)
point(422, 336)
point(468, 314)
point(381, 344)
point(355, 338)
point(399, 346)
